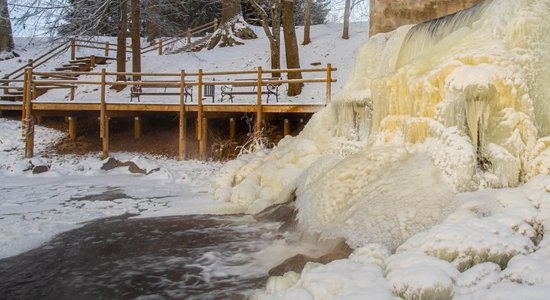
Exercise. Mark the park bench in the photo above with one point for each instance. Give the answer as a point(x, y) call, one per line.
point(243, 88)
point(139, 90)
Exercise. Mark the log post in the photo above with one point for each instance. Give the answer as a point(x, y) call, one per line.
point(204, 139)
point(71, 94)
point(160, 47)
point(232, 128)
point(28, 123)
point(103, 120)
point(72, 128)
point(329, 83)
point(73, 49)
point(286, 127)
point(259, 102)
point(182, 145)
point(137, 128)
point(215, 24)
point(107, 49)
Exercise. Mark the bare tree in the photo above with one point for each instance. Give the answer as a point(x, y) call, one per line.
point(136, 41)
point(307, 24)
point(152, 16)
point(347, 8)
point(121, 38)
point(232, 26)
point(273, 35)
point(291, 46)
point(6, 35)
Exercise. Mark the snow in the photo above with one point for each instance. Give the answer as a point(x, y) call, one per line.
point(326, 47)
point(36, 207)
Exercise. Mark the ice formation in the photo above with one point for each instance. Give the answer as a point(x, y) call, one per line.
point(431, 110)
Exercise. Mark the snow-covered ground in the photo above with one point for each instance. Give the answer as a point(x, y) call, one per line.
point(326, 47)
point(35, 207)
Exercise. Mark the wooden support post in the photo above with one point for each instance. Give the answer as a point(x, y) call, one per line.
point(103, 120)
point(28, 123)
point(72, 128)
point(160, 47)
point(215, 24)
point(199, 107)
point(137, 128)
point(73, 49)
point(259, 102)
point(204, 139)
point(286, 127)
point(182, 145)
point(189, 39)
point(107, 49)
point(329, 83)
point(232, 128)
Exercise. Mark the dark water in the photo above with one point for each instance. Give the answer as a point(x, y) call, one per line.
point(186, 257)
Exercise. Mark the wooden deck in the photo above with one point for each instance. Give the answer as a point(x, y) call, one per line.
point(201, 111)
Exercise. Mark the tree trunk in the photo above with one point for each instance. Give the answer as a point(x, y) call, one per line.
point(153, 19)
point(345, 34)
point(121, 39)
point(307, 24)
point(291, 47)
point(232, 26)
point(276, 30)
point(6, 34)
point(136, 42)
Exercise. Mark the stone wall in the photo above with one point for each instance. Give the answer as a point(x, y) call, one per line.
point(387, 15)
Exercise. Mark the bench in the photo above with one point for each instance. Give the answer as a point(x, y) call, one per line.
point(238, 88)
point(137, 90)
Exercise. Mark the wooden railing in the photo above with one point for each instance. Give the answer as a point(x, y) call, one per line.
point(179, 80)
point(161, 44)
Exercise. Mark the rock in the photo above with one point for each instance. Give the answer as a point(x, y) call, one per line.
point(40, 169)
point(297, 262)
point(278, 213)
point(109, 164)
point(112, 163)
point(37, 166)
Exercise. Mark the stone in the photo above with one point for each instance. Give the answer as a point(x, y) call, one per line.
point(278, 213)
point(112, 163)
point(109, 164)
point(40, 169)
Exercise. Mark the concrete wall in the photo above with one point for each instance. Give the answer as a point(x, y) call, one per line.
point(387, 15)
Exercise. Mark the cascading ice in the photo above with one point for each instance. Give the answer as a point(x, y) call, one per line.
point(451, 105)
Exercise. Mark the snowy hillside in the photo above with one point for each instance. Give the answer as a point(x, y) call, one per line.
point(326, 47)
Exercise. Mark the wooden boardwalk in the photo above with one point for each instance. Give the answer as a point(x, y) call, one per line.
point(200, 110)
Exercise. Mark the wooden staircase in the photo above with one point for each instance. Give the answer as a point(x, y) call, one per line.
point(195, 46)
point(79, 64)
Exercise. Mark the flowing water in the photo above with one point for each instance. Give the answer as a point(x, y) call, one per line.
point(184, 257)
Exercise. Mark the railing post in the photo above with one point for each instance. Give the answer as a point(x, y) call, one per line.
point(103, 121)
point(215, 24)
point(200, 119)
point(188, 39)
point(160, 47)
point(259, 102)
point(73, 49)
point(28, 123)
point(182, 145)
point(329, 83)
point(107, 49)
point(30, 62)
